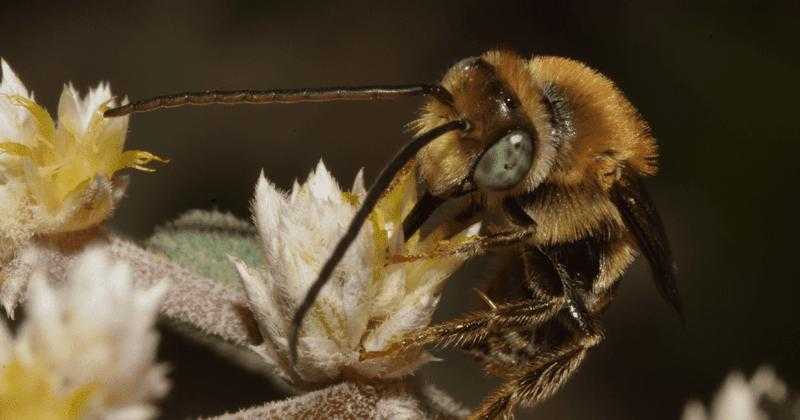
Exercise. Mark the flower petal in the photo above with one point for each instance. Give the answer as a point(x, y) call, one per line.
point(358, 184)
point(10, 84)
point(12, 117)
point(322, 185)
point(76, 113)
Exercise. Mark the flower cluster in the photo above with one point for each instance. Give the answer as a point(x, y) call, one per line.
point(370, 303)
point(86, 350)
point(58, 176)
point(740, 399)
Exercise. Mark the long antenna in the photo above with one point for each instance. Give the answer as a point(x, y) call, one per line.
point(373, 195)
point(282, 96)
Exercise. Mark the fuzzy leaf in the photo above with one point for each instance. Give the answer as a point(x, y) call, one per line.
point(210, 306)
point(202, 240)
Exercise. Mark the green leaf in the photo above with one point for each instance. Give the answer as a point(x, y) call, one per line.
point(201, 241)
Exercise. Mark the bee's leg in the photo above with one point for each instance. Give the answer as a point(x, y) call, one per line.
point(463, 215)
point(540, 378)
point(470, 248)
point(545, 371)
point(503, 352)
point(575, 308)
point(474, 328)
point(525, 229)
point(576, 312)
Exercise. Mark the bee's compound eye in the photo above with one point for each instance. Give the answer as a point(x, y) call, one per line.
point(505, 164)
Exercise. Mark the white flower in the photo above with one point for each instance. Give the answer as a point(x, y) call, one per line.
point(369, 303)
point(58, 177)
point(86, 350)
point(740, 399)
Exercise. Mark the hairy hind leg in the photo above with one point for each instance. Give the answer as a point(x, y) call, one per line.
point(539, 379)
point(476, 327)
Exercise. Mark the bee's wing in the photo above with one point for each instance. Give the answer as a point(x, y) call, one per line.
point(643, 221)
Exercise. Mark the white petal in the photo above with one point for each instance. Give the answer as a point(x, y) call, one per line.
point(93, 100)
point(355, 303)
point(266, 215)
point(694, 410)
point(148, 301)
point(415, 313)
point(358, 184)
point(42, 330)
point(258, 296)
point(69, 110)
point(766, 382)
point(322, 185)
point(12, 116)
point(735, 401)
point(75, 112)
point(296, 189)
point(11, 84)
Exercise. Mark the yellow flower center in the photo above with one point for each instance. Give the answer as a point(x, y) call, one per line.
point(26, 392)
point(57, 163)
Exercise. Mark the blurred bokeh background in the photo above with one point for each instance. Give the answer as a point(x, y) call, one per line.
point(717, 82)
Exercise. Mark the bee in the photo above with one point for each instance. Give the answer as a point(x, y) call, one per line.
point(550, 156)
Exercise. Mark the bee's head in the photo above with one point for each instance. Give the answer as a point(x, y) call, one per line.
point(503, 148)
point(530, 121)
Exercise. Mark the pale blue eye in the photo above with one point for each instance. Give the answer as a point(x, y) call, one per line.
point(506, 163)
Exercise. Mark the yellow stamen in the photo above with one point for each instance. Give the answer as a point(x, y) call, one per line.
point(45, 124)
point(137, 159)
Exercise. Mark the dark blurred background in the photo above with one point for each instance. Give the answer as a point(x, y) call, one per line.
point(717, 82)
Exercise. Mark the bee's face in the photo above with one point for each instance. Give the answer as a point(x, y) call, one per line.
point(502, 148)
point(546, 119)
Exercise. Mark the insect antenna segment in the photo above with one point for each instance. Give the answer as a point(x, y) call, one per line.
point(281, 96)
